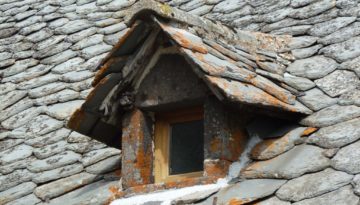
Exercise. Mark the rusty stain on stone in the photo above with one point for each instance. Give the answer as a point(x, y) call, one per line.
point(185, 39)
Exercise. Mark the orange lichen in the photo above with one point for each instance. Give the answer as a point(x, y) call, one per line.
point(309, 131)
point(239, 201)
point(216, 168)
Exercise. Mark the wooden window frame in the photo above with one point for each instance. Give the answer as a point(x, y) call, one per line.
point(162, 142)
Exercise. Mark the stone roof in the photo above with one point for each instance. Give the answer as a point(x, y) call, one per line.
point(50, 50)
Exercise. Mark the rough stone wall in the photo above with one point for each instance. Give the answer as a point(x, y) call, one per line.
point(48, 52)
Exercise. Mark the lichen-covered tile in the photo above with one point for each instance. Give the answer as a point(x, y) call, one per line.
point(53, 162)
point(338, 82)
point(50, 150)
point(343, 51)
point(45, 90)
point(41, 125)
point(16, 153)
point(95, 50)
point(30, 199)
point(313, 67)
point(74, 26)
point(62, 96)
point(246, 191)
point(348, 159)
point(97, 155)
point(58, 173)
point(14, 178)
point(60, 57)
point(11, 98)
point(300, 160)
point(62, 111)
point(105, 165)
point(312, 185)
point(331, 115)
point(17, 192)
point(50, 138)
point(315, 99)
point(62, 186)
point(328, 27)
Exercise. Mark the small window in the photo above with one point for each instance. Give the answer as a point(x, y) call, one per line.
point(179, 145)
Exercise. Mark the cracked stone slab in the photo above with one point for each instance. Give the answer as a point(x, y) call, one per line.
point(105, 166)
point(14, 178)
point(313, 185)
point(22, 118)
point(350, 98)
point(41, 125)
point(343, 51)
point(76, 76)
point(52, 50)
point(17, 192)
point(273, 201)
point(306, 52)
point(300, 160)
point(328, 27)
point(16, 153)
point(312, 9)
point(313, 67)
point(342, 34)
point(50, 138)
point(315, 99)
point(193, 197)
point(53, 162)
point(271, 148)
point(353, 65)
point(7, 87)
point(28, 74)
point(95, 50)
point(338, 82)
point(30, 199)
point(50, 150)
point(73, 38)
point(58, 173)
point(59, 58)
point(74, 26)
point(97, 155)
point(62, 96)
point(11, 98)
point(61, 186)
point(331, 115)
point(68, 66)
point(64, 110)
point(246, 191)
point(21, 164)
point(342, 196)
point(40, 35)
point(75, 137)
point(95, 193)
point(46, 89)
point(348, 158)
point(39, 81)
point(83, 147)
point(337, 135)
point(9, 143)
point(89, 41)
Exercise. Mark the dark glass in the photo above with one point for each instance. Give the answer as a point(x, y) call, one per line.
point(186, 147)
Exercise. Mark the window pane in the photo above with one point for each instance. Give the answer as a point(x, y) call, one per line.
point(186, 147)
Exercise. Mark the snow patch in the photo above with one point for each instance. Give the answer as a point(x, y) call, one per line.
point(244, 159)
point(169, 195)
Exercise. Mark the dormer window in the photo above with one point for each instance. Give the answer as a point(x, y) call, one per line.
point(179, 145)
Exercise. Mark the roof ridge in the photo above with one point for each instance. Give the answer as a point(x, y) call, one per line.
point(218, 30)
